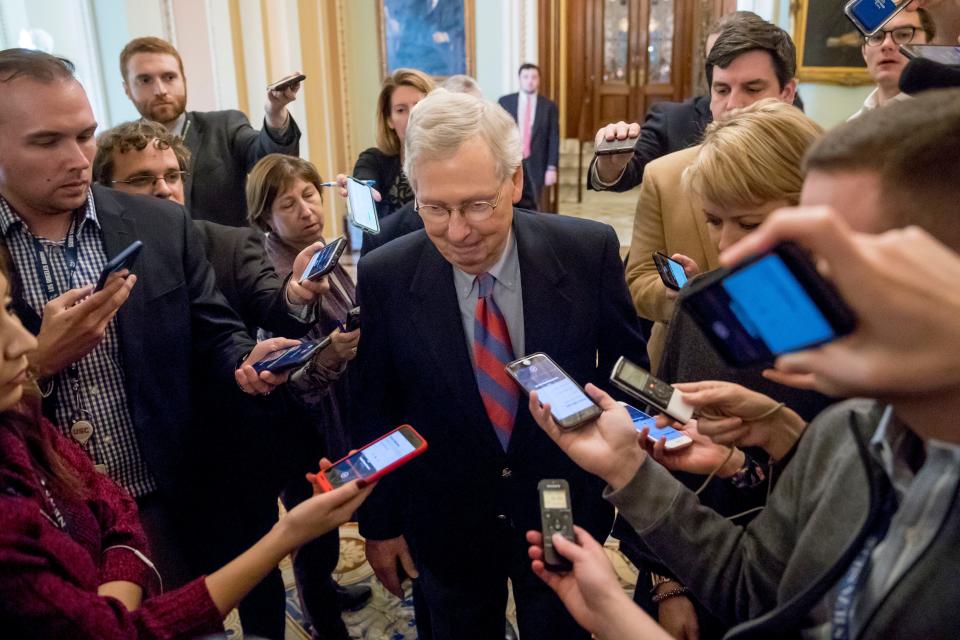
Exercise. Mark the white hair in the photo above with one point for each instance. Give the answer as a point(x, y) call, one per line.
point(441, 122)
point(462, 84)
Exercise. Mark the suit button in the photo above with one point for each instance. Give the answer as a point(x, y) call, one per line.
point(506, 472)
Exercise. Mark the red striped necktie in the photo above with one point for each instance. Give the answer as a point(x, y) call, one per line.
point(492, 350)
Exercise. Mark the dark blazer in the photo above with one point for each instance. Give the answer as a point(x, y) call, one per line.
point(414, 368)
point(175, 318)
point(544, 138)
point(247, 279)
point(223, 148)
point(668, 127)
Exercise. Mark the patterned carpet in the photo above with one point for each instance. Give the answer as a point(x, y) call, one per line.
point(385, 617)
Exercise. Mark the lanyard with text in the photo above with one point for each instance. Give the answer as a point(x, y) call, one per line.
point(82, 428)
point(859, 570)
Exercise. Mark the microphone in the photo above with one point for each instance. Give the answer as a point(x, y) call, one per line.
point(921, 74)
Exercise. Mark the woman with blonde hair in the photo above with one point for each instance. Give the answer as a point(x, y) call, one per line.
point(749, 164)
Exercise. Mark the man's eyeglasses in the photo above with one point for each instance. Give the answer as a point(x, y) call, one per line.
point(147, 181)
point(476, 211)
point(900, 35)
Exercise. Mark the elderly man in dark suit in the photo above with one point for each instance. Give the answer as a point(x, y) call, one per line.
point(116, 365)
point(551, 284)
point(223, 145)
point(539, 123)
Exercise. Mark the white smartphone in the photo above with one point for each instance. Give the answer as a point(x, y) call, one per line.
point(361, 207)
point(675, 439)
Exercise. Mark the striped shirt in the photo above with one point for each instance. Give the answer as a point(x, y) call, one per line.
point(99, 383)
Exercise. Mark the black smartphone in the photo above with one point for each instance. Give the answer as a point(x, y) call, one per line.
point(869, 16)
point(556, 516)
point(123, 260)
point(291, 358)
point(325, 260)
point(286, 83)
point(766, 306)
point(569, 404)
point(361, 207)
point(353, 320)
point(947, 54)
point(643, 386)
point(671, 271)
point(613, 147)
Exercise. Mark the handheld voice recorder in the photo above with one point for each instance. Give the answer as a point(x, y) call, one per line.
point(556, 516)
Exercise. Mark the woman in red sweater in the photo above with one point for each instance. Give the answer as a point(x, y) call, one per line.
point(73, 557)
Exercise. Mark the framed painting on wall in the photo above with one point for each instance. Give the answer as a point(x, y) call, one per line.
point(435, 36)
point(828, 45)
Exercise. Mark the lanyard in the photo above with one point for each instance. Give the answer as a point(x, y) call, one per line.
point(858, 571)
point(45, 272)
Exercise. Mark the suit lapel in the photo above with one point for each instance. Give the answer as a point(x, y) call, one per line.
point(545, 299)
point(192, 140)
point(118, 232)
point(440, 329)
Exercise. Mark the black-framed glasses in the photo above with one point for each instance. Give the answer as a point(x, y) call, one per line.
point(476, 211)
point(900, 35)
point(148, 181)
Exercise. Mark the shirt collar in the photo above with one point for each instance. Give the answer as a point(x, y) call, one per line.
point(506, 271)
point(896, 448)
point(9, 219)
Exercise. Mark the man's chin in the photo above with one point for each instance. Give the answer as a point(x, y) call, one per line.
point(165, 114)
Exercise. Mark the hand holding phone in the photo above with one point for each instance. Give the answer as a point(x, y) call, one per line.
point(325, 260)
point(123, 260)
point(287, 82)
point(672, 273)
point(375, 460)
point(769, 305)
point(291, 357)
point(569, 404)
point(676, 440)
point(617, 147)
point(353, 320)
point(643, 386)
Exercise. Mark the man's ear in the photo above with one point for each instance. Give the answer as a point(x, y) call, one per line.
point(517, 180)
point(789, 92)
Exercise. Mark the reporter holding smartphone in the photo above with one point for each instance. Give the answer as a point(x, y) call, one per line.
point(285, 200)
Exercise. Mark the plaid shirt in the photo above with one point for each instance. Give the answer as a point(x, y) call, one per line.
point(100, 373)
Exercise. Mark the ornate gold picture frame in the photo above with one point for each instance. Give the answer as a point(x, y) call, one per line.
point(828, 45)
point(435, 36)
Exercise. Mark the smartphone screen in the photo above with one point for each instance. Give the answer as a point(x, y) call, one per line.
point(553, 387)
point(321, 261)
point(642, 421)
point(676, 270)
point(370, 460)
point(362, 206)
point(871, 15)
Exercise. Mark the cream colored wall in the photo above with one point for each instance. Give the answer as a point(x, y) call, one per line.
point(362, 52)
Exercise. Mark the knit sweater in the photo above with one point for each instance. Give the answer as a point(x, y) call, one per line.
point(49, 575)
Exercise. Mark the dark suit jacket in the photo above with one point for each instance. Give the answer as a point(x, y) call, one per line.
point(544, 138)
point(668, 127)
point(174, 320)
point(248, 280)
point(414, 368)
point(224, 148)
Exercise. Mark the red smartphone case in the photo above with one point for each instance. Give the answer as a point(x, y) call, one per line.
point(322, 476)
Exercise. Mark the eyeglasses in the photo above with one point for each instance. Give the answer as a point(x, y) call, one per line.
point(900, 35)
point(476, 211)
point(147, 181)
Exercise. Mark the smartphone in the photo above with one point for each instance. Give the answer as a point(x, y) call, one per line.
point(292, 357)
point(325, 260)
point(361, 207)
point(570, 406)
point(123, 260)
point(556, 516)
point(675, 439)
point(947, 54)
point(286, 83)
point(766, 306)
point(671, 271)
point(613, 147)
point(643, 386)
point(376, 459)
point(353, 320)
point(869, 16)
